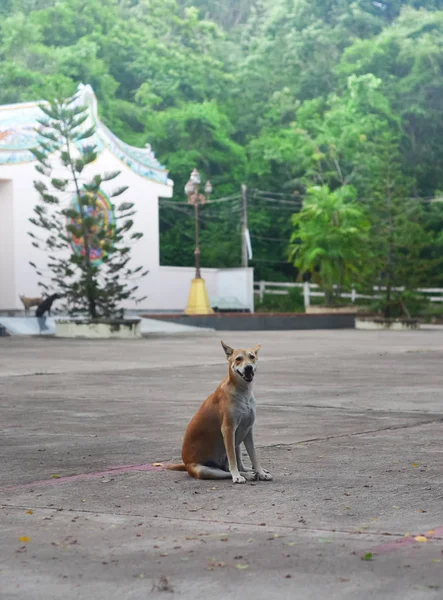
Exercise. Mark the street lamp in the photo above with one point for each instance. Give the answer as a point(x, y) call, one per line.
point(198, 301)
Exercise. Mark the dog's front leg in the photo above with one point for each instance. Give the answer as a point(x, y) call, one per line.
point(241, 467)
point(256, 466)
point(228, 432)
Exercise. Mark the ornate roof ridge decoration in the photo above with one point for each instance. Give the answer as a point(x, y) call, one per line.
point(18, 135)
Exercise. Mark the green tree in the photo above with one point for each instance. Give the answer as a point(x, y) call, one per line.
point(398, 236)
point(408, 58)
point(278, 94)
point(89, 253)
point(330, 239)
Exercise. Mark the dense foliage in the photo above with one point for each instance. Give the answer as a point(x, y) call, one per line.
point(330, 239)
point(281, 95)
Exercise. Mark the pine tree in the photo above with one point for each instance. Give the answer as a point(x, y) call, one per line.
point(86, 237)
point(398, 235)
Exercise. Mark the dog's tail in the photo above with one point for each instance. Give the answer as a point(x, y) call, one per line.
point(177, 467)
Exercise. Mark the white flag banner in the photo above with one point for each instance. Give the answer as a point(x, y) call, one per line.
point(248, 243)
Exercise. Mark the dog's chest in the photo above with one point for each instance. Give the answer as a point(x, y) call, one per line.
point(243, 414)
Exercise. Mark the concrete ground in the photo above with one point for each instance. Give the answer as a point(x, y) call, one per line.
point(349, 423)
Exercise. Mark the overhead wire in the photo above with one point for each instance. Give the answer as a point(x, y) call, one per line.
point(258, 200)
point(268, 239)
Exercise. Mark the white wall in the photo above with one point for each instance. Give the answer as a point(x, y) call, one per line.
point(142, 192)
point(168, 287)
point(7, 265)
point(237, 283)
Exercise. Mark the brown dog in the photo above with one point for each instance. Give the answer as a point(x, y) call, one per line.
point(30, 302)
point(211, 447)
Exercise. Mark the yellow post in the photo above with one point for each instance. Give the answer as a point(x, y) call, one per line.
point(198, 300)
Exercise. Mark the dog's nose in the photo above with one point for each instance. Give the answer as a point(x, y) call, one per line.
point(248, 369)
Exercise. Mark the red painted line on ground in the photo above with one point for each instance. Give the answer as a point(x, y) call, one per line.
point(406, 541)
point(392, 546)
point(84, 476)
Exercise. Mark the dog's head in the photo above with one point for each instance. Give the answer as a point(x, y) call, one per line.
point(242, 363)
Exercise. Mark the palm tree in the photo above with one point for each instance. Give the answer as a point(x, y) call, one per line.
point(330, 239)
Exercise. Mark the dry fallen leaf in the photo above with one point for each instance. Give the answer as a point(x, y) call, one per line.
point(163, 585)
point(56, 476)
point(431, 532)
point(157, 464)
point(24, 538)
point(436, 560)
point(420, 538)
point(415, 464)
point(29, 512)
point(241, 566)
point(217, 564)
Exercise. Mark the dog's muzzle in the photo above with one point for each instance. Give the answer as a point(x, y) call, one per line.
point(247, 374)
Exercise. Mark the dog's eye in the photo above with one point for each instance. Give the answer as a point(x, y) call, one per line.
point(238, 359)
point(252, 356)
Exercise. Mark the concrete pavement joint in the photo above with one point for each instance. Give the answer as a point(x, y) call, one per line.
point(356, 433)
point(118, 470)
point(437, 536)
point(120, 368)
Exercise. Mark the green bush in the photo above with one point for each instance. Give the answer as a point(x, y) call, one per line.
point(291, 302)
point(406, 304)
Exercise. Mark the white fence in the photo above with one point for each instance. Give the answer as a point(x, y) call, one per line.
point(313, 290)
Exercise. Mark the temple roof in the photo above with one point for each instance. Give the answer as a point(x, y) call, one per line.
point(18, 123)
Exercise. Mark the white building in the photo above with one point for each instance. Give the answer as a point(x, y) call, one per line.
point(166, 288)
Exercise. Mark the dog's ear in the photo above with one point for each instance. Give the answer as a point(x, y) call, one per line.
point(228, 350)
point(256, 348)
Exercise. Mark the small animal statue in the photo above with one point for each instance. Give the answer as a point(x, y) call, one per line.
point(30, 302)
point(46, 305)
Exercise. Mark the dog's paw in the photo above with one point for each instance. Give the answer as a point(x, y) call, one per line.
point(238, 479)
point(263, 476)
point(249, 475)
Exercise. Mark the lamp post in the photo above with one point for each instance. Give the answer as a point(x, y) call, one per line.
point(198, 301)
